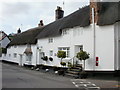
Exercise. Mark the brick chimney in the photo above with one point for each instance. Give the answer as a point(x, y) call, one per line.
point(94, 4)
point(41, 23)
point(59, 13)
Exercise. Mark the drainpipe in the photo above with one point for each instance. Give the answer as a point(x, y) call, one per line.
point(36, 54)
point(94, 38)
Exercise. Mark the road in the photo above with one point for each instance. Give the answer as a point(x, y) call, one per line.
point(19, 77)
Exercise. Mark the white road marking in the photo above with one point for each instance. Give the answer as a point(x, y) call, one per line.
point(84, 84)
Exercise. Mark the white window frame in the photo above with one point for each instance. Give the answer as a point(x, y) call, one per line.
point(51, 52)
point(50, 40)
point(66, 49)
point(15, 55)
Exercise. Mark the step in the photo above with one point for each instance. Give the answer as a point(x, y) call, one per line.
point(77, 70)
point(73, 72)
point(72, 75)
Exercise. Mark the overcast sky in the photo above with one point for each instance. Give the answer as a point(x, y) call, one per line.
point(27, 13)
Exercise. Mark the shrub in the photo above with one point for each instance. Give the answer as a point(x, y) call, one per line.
point(3, 50)
point(61, 54)
point(70, 64)
point(63, 63)
point(83, 55)
point(45, 58)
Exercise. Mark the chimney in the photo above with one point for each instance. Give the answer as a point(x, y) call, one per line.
point(59, 13)
point(18, 31)
point(41, 23)
point(94, 4)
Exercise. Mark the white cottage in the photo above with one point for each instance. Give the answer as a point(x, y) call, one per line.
point(94, 28)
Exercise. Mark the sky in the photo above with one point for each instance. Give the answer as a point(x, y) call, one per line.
point(26, 14)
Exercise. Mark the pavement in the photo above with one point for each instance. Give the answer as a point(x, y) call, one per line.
point(20, 77)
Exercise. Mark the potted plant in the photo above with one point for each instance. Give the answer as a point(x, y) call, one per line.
point(50, 58)
point(83, 55)
point(63, 63)
point(45, 58)
point(83, 74)
point(70, 64)
point(61, 54)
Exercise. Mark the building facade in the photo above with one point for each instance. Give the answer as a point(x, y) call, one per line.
point(98, 35)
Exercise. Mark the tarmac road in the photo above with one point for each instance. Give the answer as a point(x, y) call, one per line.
point(14, 76)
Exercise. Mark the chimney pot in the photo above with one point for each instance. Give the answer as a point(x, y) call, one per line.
point(41, 23)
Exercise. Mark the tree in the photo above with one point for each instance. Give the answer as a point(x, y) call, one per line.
point(83, 55)
point(61, 54)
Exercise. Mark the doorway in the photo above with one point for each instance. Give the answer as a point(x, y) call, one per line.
point(78, 48)
point(21, 60)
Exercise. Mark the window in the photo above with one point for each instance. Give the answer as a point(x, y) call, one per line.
point(81, 47)
point(64, 32)
point(51, 53)
point(28, 57)
point(9, 55)
point(15, 55)
point(50, 40)
point(66, 49)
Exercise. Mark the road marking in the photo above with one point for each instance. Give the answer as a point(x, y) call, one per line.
point(84, 84)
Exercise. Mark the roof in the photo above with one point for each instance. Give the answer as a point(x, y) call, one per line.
point(109, 13)
point(2, 35)
point(78, 18)
point(27, 37)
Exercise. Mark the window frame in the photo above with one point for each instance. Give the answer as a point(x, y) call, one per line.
point(15, 55)
point(50, 52)
point(66, 49)
point(50, 40)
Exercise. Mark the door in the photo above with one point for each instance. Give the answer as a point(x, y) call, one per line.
point(21, 60)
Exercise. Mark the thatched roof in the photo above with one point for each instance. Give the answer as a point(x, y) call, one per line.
point(27, 37)
point(78, 18)
point(109, 13)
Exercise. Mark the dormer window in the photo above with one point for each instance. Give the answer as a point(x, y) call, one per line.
point(50, 40)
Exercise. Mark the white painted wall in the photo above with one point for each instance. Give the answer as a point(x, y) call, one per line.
point(84, 36)
point(75, 36)
point(20, 51)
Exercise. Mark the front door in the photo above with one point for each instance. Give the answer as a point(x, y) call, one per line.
point(21, 60)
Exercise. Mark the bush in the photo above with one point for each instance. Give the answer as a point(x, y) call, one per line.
point(83, 75)
point(3, 50)
point(61, 72)
point(83, 55)
point(55, 68)
point(45, 58)
point(63, 63)
point(70, 64)
point(61, 54)
point(50, 58)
